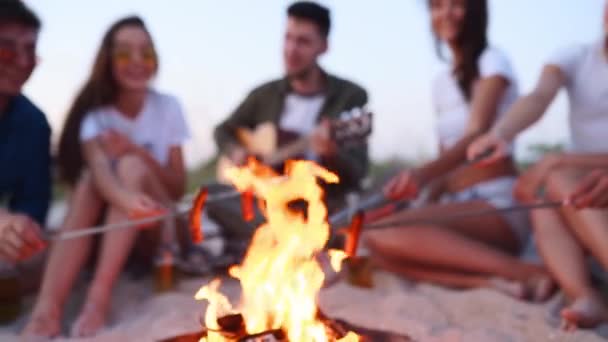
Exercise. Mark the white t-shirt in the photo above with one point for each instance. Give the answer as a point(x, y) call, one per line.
point(300, 113)
point(586, 70)
point(452, 107)
point(159, 126)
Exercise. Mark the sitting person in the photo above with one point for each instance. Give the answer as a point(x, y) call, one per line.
point(25, 186)
point(564, 235)
point(299, 104)
point(120, 150)
point(477, 251)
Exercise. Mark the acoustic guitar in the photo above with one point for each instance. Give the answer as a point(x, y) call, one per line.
point(273, 147)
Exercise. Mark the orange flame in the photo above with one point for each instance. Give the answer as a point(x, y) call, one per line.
point(280, 276)
point(336, 257)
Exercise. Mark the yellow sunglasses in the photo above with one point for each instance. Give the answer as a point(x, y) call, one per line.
point(125, 57)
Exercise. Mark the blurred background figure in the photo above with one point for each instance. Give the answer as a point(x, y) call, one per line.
point(565, 235)
point(120, 151)
point(476, 89)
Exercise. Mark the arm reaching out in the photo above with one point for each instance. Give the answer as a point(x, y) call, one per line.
point(526, 111)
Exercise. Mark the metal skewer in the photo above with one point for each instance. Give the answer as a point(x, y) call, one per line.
point(74, 234)
point(335, 220)
point(466, 214)
point(344, 216)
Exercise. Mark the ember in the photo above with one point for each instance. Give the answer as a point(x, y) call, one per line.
point(280, 276)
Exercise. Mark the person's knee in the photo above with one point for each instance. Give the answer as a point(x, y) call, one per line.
point(560, 183)
point(85, 183)
point(85, 191)
point(132, 170)
point(402, 238)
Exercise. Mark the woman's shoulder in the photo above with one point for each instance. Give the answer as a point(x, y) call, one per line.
point(574, 51)
point(569, 58)
point(583, 48)
point(494, 55)
point(495, 61)
point(494, 52)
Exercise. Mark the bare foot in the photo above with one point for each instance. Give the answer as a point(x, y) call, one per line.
point(585, 312)
point(92, 318)
point(44, 323)
point(511, 288)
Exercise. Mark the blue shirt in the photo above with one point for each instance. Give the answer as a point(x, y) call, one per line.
point(25, 162)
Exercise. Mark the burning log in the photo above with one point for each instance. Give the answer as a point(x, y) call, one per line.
point(232, 326)
point(267, 336)
point(337, 329)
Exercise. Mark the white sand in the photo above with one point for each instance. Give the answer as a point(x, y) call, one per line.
point(424, 312)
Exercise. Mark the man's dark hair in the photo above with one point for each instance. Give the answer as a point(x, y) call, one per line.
point(308, 10)
point(15, 11)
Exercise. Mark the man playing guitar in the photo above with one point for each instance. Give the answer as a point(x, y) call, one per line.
point(302, 103)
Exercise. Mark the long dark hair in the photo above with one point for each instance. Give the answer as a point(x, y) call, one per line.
point(472, 40)
point(100, 89)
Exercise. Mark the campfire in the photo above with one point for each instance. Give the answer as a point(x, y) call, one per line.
point(280, 275)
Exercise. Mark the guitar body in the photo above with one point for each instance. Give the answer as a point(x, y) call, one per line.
point(273, 146)
point(260, 142)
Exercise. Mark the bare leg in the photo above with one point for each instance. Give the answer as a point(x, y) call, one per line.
point(561, 252)
point(476, 245)
point(450, 278)
point(490, 229)
point(115, 248)
point(588, 230)
point(154, 187)
point(65, 261)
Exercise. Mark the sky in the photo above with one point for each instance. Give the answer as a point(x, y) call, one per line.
point(213, 52)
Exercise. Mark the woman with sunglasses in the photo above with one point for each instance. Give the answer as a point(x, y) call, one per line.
point(121, 152)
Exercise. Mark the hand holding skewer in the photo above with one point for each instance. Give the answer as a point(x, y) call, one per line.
point(592, 192)
point(20, 237)
point(488, 149)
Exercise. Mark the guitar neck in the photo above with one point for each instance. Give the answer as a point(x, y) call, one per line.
point(288, 151)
